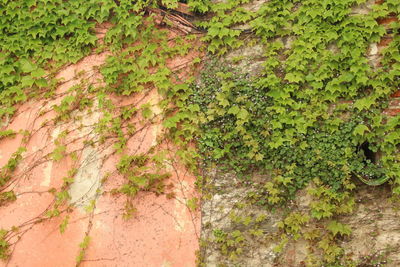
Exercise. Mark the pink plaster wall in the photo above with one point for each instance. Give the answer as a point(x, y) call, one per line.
point(163, 232)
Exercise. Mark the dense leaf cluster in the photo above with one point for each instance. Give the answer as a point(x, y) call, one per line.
point(315, 115)
point(318, 98)
point(38, 36)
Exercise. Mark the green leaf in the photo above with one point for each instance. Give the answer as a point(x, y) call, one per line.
point(222, 100)
point(243, 114)
point(146, 111)
point(38, 73)
point(364, 103)
point(192, 203)
point(140, 181)
point(259, 157)
point(294, 77)
point(64, 224)
point(338, 228)
point(194, 108)
point(27, 81)
point(27, 66)
point(234, 110)
point(393, 138)
point(360, 130)
point(42, 82)
point(58, 153)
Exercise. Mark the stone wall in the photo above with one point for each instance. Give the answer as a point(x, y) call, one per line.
point(375, 240)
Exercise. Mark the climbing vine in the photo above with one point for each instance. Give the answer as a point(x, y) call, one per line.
point(311, 118)
point(315, 114)
point(40, 38)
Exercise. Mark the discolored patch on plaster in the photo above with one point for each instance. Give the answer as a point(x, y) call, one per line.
point(55, 133)
point(156, 132)
point(49, 166)
point(166, 264)
point(180, 211)
point(155, 98)
point(88, 120)
point(87, 180)
point(47, 174)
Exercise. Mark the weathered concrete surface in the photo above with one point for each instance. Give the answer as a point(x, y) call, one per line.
point(162, 232)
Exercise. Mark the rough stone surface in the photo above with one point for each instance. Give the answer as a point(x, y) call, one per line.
point(248, 59)
point(226, 192)
point(375, 226)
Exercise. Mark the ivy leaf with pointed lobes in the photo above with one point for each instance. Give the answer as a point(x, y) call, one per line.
point(259, 157)
point(243, 114)
point(278, 93)
point(277, 142)
point(27, 66)
point(294, 77)
point(360, 130)
point(64, 224)
point(339, 228)
point(27, 81)
point(364, 103)
point(222, 100)
point(194, 108)
point(234, 110)
point(38, 73)
point(276, 124)
point(393, 138)
point(214, 30)
point(42, 82)
point(146, 111)
point(223, 32)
